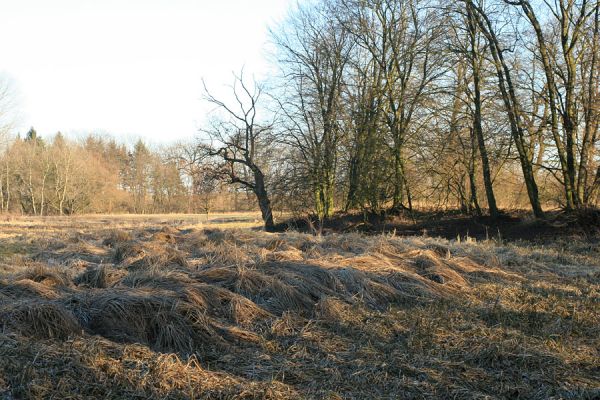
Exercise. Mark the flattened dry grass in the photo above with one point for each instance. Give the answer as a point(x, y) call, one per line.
point(166, 312)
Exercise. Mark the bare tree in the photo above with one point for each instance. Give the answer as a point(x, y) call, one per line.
point(476, 60)
point(198, 175)
point(7, 122)
point(511, 102)
point(588, 180)
point(313, 50)
point(559, 61)
point(238, 139)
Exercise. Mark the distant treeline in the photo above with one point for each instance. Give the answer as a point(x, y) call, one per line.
point(57, 176)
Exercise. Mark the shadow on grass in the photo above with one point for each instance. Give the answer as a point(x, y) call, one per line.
point(294, 329)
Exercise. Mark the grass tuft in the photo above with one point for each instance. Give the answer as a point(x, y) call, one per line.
point(152, 310)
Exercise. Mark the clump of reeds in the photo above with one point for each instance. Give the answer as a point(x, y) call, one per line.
point(116, 237)
point(45, 275)
point(41, 319)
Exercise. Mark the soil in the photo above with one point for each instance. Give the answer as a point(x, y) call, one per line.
point(517, 225)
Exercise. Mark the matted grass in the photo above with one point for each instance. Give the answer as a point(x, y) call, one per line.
point(157, 307)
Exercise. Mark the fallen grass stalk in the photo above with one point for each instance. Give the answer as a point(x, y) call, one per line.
point(162, 312)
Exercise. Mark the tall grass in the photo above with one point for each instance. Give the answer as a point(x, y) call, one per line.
point(162, 311)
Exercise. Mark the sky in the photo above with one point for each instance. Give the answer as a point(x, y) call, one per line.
point(129, 68)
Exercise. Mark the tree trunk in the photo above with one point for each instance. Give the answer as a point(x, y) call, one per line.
point(591, 117)
point(399, 179)
point(7, 208)
point(477, 126)
point(510, 101)
point(472, 173)
point(353, 182)
point(264, 203)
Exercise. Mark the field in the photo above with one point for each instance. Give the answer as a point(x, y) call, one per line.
point(169, 307)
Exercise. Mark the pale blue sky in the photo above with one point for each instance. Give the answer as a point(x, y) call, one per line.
point(132, 68)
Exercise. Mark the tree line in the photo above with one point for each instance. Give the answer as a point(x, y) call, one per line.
point(57, 176)
point(381, 105)
point(378, 106)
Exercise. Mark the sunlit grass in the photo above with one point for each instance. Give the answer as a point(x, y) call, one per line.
point(171, 306)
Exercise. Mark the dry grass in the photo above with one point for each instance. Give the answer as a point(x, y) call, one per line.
point(157, 308)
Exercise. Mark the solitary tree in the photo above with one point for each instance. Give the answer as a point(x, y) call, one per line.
point(238, 140)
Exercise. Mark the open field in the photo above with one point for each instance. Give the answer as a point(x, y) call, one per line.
point(177, 307)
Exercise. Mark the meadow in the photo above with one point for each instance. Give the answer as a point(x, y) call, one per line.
point(196, 307)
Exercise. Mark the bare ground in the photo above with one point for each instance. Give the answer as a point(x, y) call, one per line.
point(511, 225)
point(163, 307)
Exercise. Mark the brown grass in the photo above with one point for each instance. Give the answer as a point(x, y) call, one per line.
point(163, 311)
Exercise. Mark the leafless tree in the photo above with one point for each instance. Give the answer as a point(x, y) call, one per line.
point(238, 139)
point(312, 50)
